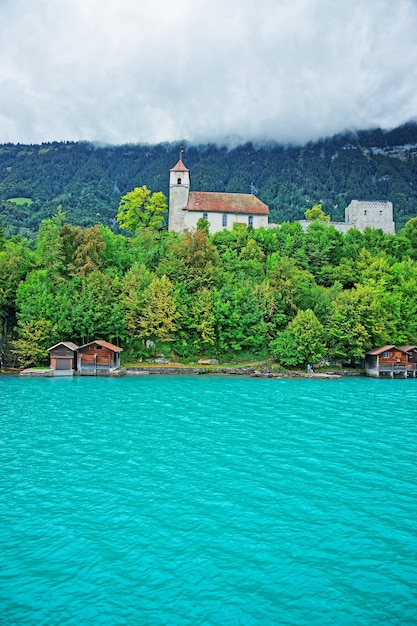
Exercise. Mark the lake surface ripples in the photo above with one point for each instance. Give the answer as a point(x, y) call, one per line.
point(208, 500)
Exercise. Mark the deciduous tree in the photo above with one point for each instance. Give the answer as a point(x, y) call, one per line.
point(158, 317)
point(316, 213)
point(141, 208)
point(50, 245)
point(302, 342)
point(31, 348)
point(357, 323)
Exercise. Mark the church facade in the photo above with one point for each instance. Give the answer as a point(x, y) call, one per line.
point(221, 210)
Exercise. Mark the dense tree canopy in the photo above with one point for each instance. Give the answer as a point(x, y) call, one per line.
point(295, 296)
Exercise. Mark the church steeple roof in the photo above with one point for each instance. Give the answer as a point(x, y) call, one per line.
point(179, 167)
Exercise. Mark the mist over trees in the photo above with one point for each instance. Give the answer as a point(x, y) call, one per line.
point(88, 181)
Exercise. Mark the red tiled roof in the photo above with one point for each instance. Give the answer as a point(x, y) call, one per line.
point(104, 344)
point(214, 202)
point(407, 348)
point(179, 167)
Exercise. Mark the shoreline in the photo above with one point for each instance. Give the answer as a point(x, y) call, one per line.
point(250, 371)
point(177, 369)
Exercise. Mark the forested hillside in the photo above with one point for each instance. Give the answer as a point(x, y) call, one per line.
point(88, 181)
point(246, 293)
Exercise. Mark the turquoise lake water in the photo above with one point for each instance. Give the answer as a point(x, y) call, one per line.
point(208, 500)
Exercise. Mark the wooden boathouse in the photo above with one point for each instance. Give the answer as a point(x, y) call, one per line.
point(98, 358)
point(391, 362)
point(412, 359)
point(63, 358)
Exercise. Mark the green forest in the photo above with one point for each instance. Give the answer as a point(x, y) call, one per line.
point(280, 293)
point(88, 180)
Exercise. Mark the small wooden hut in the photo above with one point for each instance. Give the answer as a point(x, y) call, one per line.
point(387, 361)
point(98, 358)
point(412, 360)
point(63, 358)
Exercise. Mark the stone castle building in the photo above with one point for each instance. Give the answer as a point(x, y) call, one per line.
point(362, 214)
point(221, 210)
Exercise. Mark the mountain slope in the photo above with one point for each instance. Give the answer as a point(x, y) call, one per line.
point(88, 180)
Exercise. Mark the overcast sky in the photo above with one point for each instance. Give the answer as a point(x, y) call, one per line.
point(228, 71)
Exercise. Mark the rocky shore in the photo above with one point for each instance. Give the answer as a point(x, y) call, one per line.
point(183, 370)
point(147, 370)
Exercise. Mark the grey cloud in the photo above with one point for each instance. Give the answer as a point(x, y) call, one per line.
point(128, 71)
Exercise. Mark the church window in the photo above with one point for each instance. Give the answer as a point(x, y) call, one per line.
point(224, 220)
point(179, 181)
point(250, 220)
point(364, 212)
point(205, 216)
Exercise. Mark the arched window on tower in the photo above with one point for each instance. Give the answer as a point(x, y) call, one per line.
point(179, 181)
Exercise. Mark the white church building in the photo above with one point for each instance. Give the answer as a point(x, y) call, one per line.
point(221, 210)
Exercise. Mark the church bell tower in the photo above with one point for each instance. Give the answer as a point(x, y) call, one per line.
point(179, 188)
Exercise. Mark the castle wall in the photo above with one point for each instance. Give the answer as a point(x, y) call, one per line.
point(360, 214)
point(342, 227)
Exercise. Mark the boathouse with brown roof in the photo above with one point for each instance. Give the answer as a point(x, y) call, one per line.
point(391, 361)
point(412, 359)
point(98, 358)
